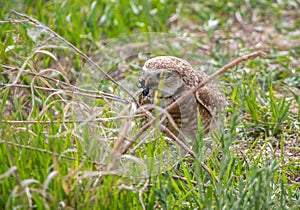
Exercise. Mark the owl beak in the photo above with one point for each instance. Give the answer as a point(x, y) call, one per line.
point(145, 91)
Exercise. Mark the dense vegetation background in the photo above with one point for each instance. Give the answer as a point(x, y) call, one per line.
point(42, 163)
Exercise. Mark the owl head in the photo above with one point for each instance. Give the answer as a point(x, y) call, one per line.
point(162, 74)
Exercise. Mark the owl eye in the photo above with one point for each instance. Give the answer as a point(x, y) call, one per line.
point(164, 75)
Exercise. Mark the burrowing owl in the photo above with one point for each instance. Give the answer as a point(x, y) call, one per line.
point(164, 79)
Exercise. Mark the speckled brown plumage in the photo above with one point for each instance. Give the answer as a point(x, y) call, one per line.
point(166, 78)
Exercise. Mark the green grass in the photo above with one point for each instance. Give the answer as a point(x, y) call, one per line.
point(43, 163)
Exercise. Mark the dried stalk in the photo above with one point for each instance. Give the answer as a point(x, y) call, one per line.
point(2, 22)
point(104, 96)
point(37, 24)
point(214, 75)
point(72, 121)
point(59, 82)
